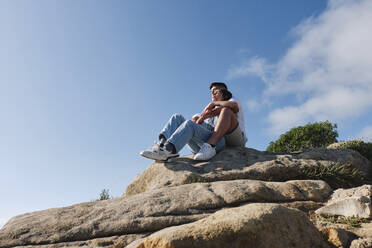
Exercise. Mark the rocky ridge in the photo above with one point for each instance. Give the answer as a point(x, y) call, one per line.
point(242, 163)
point(241, 198)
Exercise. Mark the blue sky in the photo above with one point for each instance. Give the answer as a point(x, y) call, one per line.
point(86, 85)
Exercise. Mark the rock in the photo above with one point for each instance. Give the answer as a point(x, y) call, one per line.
point(364, 230)
point(240, 163)
point(229, 201)
point(351, 207)
point(349, 202)
point(363, 148)
point(361, 243)
point(365, 190)
point(338, 237)
point(135, 243)
point(337, 145)
point(107, 242)
point(151, 211)
point(258, 225)
point(304, 206)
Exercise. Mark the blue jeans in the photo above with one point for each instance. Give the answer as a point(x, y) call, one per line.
point(180, 132)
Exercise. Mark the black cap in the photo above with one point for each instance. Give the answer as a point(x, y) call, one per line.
point(218, 84)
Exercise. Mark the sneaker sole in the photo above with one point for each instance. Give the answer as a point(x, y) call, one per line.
point(207, 159)
point(161, 160)
point(176, 156)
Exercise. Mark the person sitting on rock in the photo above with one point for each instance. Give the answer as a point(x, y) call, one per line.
point(221, 123)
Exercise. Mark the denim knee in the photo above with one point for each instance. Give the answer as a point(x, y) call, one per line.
point(177, 117)
point(189, 124)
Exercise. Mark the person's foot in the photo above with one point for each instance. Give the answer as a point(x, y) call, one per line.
point(158, 153)
point(206, 152)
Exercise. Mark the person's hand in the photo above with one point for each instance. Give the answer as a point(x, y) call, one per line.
point(209, 107)
point(195, 117)
point(200, 120)
point(207, 110)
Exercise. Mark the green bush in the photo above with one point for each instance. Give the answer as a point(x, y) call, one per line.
point(312, 135)
point(104, 195)
point(364, 148)
point(337, 175)
point(351, 221)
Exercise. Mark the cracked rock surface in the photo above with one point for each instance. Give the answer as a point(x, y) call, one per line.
point(240, 193)
point(241, 227)
point(241, 163)
point(151, 211)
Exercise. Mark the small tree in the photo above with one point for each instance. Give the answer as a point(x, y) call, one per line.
point(104, 195)
point(312, 135)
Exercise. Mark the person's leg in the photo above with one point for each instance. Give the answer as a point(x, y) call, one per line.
point(227, 121)
point(235, 138)
point(190, 131)
point(174, 122)
point(196, 143)
point(186, 132)
point(193, 146)
point(158, 151)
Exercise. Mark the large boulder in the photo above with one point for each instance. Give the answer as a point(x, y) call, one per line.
point(151, 211)
point(224, 202)
point(259, 225)
point(361, 243)
point(355, 202)
point(338, 145)
point(107, 242)
point(337, 236)
point(342, 231)
point(241, 163)
point(363, 148)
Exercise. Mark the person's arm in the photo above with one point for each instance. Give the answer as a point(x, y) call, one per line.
point(228, 104)
point(209, 114)
point(214, 109)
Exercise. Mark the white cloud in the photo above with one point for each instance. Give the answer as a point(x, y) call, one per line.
point(328, 68)
point(333, 106)
point(253, 105)
point(366, 134)
point(254, 66)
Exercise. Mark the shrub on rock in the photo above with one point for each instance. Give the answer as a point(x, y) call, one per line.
point(364, 148)
point(337, 175)
point(312, 135)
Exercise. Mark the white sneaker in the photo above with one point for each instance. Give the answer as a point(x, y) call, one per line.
point(158, 153)
point(206, 152)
